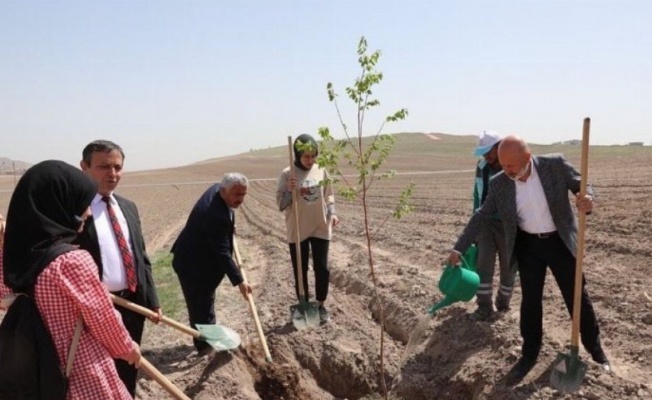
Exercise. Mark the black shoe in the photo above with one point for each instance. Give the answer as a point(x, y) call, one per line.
point(520, 369)
point(205, 351)
point(324, 316)
point(601, 358)
point(606, 367)
point(482, 313)
point(502, 302)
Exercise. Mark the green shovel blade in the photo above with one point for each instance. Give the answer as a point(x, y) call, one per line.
point(219, 336)
point(305, 314)
point(568, 372)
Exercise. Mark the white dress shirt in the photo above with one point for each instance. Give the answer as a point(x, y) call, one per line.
point(531, 205)
point(113, 270)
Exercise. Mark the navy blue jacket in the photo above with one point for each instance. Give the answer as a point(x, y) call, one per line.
point(204, 249)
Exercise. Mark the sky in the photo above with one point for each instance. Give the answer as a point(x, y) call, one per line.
point(175, 82)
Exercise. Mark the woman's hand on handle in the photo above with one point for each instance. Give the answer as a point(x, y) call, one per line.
point(133, 357)
point(291, 184)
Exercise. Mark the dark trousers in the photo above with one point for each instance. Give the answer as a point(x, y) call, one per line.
point(200, 301)
point(134, 323)
point(320, 265)
point(534, 256)
point(491, 241)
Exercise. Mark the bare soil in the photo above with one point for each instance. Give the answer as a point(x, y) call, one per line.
point(457, 358)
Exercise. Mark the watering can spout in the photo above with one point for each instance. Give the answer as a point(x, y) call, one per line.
point(447, 301)
point(457, 284)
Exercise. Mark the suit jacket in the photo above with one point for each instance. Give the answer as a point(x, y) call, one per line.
point(203, 252)
point(557, 176)
point(87, 240)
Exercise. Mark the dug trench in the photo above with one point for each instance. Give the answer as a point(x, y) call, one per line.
point(338, 360)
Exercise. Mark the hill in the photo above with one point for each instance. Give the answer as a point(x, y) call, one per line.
point(433, 151)
point(9, 166)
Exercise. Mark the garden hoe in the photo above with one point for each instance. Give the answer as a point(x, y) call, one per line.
point(220, 337)
point(304, 314)
point(568, 370)
point(252, 305)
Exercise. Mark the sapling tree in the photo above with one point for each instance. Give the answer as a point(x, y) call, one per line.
point(366, 158)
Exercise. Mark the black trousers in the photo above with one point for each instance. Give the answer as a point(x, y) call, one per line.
point(320, 265)
point(534, 256)
point(200, 301)
point(135, 324)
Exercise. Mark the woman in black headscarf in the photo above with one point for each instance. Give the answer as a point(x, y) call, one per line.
point(47, 209)
point(46, 212)
point(317, 217)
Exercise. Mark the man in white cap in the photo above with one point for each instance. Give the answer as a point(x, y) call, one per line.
point(491, 240)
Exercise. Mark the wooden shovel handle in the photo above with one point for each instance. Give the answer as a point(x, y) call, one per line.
point(153, 373)
point(577, 295)
point(151, 314)
point(252, 305)
point(295, 205)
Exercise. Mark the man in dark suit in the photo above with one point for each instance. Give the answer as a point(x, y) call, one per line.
point(203, 252)
point(531, 198)
point(114, 238)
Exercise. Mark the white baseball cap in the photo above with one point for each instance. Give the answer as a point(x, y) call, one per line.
point(486, 140)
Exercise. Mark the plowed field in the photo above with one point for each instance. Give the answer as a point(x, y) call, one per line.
point(458, 358)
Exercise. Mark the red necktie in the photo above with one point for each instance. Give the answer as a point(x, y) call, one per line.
point(127, 258)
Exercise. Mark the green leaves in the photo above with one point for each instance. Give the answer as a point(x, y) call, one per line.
point(348, 193)
point(364, 157)
point(331, 91)
point(303, 147)
point(397, 116)
point(403, 208)
point(362, 46)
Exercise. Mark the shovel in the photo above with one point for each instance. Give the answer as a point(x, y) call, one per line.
point(252, 305)
point(305, 313)
point(568, 370)
point(150, 370)
point(220, 337)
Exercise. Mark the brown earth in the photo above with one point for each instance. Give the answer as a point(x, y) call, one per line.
point(458, 358)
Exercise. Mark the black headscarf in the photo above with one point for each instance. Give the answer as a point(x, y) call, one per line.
point(43, 219)
point(303, 139)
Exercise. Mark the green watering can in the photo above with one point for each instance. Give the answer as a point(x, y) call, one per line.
point(458, 283)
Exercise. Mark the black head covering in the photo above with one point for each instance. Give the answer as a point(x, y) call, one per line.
point(43, 219)
point(303, 139)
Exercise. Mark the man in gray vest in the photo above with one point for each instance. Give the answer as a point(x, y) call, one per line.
point(531, 198)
